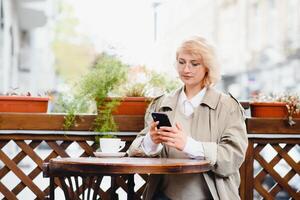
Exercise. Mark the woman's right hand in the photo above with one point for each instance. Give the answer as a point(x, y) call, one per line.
point(154, 133)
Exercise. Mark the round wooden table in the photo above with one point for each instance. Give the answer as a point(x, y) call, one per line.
point(127, 165)
point(91, 166)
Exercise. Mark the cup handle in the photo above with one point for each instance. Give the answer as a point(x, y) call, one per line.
point(122, 145)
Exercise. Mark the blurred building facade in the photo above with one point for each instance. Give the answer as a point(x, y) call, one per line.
point(258, 41)
point(26, 60)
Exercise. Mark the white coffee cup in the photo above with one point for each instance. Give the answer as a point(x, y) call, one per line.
point(111, 145)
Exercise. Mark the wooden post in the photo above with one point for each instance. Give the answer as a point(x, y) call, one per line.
point(248, 178)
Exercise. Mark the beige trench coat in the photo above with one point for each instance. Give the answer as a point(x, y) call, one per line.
point(219, 124)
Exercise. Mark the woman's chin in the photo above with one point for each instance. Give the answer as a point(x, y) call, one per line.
point(191, 84)
point(187, 81)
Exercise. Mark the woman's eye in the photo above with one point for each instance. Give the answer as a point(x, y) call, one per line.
point(195, 64)
point(181, 62)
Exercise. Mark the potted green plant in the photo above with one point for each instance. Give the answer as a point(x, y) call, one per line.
point(120, 90)
point(106, 74)
point(133, 100)
point(141, 86)
point(276, 106)
point(13, 102)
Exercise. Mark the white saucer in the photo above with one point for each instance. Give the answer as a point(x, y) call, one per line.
point(105, 154)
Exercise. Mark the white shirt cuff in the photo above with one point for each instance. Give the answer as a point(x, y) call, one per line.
point(149, 146)
point(194, 149)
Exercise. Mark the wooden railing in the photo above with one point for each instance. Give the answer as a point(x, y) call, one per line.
point(29, 140)
point(272, 166)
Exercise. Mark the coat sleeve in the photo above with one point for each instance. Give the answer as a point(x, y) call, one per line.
point(136, 148)
point(228, 154)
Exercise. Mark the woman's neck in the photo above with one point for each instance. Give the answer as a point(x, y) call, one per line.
point(191, 91)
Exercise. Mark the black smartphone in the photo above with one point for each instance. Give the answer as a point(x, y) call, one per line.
point(162, 118)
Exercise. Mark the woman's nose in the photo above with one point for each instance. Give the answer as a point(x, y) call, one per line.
point(186, 67)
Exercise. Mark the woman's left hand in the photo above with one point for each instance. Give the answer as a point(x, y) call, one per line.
point(173, 136)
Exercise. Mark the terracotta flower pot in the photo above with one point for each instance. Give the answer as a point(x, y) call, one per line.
point(131, 105)
point(23, 104)
point(270, 110)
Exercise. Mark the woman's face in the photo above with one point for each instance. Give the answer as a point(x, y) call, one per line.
point(190, 69)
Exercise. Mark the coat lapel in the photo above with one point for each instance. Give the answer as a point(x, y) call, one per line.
point(203, 128)
point(211, 98)
point(169, 103)
point(206, 129)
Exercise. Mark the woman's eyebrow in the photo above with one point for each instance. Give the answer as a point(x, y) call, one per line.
point(196, 60)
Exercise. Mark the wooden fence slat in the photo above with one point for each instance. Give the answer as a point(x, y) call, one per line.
point(17, 159)
point(287, 158)
point(258, 148)
point(18, 188)
point(277, 187)
point(19, 173)
point(249, 171)
point(276, 176)
point(26, 148)
point(37, 170)
point(87, 148)
point(275, 140)
point(261, 190)
point(60, 151)
point(242, 188)
point(3, 143)
point(32, 175)
point(272, 163)
point(7, 194)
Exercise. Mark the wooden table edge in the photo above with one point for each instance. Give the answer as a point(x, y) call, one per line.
point(57, 167)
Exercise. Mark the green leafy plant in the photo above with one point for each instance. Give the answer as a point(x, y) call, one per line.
point(135, 90)
point(104, 122)
point(142, 82)
point(106, 74)
point(69, 120)
point(71, 105)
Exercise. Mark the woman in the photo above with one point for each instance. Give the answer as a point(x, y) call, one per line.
point(206, 124)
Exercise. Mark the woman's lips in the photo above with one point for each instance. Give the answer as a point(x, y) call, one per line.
point(187, 77)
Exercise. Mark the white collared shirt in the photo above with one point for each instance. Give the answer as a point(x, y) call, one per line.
point(193, 148)
point(188, 106)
